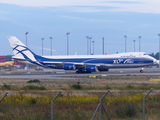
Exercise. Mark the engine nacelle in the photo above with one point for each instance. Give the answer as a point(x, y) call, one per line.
point(103, 69)
point(91, 68)
point(69, 67)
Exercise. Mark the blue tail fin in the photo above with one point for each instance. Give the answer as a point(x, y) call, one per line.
point(21, 51)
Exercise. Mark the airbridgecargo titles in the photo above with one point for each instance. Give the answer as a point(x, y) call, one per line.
point(80, 63)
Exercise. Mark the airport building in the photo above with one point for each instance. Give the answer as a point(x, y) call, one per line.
point(5, 58)
point(6, 63)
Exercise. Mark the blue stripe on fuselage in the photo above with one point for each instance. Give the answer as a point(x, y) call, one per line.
point(100, 60)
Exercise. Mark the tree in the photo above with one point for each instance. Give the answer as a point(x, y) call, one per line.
point(156, 56)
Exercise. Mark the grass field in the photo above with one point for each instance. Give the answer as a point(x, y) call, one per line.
point(31, 99)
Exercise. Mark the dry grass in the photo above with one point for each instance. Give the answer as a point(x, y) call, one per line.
point(91, 86)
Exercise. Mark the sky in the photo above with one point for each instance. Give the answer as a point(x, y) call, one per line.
point(108, 19)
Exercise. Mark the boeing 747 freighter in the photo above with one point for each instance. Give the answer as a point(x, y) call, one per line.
point(80, 63)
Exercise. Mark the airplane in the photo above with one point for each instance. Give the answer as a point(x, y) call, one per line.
point(80, 63)
point(8, 63)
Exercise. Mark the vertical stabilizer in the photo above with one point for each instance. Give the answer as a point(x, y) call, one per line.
point(20, 50)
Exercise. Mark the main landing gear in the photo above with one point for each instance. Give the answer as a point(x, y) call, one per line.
point(82, 71)
point(141, 70)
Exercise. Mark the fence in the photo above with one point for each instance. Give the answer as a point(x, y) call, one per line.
point(52, 105)
point(144, 104)
point(4, 96)
point(99, 107)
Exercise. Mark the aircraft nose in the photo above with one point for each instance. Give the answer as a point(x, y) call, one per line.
point(155, 61)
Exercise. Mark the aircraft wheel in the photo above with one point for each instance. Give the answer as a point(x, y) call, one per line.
point(141, 71)
point(80, 71)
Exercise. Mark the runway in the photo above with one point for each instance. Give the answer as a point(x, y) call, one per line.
point(73, 75)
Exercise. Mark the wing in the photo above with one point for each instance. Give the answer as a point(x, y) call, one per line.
point(64, 65)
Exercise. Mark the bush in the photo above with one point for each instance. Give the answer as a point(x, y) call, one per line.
point(32, 101)
point(108, 87)
point(7, 87)
point(129, 110)
point(76, 86)
point(33, 81)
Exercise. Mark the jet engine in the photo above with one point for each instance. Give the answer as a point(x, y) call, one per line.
point(69, 67)
point(91, 68)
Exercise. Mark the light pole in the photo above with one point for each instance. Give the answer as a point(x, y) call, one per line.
point(26, 37)
point(134, 44)
point(42, 45)
point(103, 45)
point(159, 50)
point(139, 43)
point(67, 43)
point(125, 42)
point(93, 47)
point(51, 45)
point(87, 44)
point(90, 44)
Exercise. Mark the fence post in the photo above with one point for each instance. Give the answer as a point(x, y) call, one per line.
point(4, 96)
point(52, 107)
point(100, 106)
point(144, 104)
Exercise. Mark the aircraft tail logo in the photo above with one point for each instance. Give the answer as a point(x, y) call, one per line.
point(20, 50)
